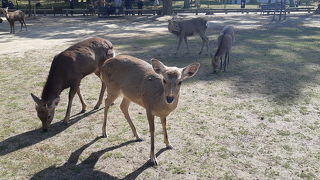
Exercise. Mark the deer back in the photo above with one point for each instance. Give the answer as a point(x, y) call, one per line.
point(154, 87)
point(135, 78)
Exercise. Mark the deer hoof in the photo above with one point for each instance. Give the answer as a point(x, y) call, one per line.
point(104, 135)
point(82, 111)
point(66, 122)
point(169, 146)
point(96, 107)
point(154, 162)
point(139, 139)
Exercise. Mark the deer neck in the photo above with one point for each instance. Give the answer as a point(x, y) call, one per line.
point(6, 15)
point(52, 88)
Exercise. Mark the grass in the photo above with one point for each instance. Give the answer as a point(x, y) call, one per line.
point(257, 120)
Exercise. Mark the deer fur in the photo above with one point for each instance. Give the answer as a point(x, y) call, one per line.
point(155, 87)
point(67, 70)
point(14, 16)
point(186, 28)
point(226, 40)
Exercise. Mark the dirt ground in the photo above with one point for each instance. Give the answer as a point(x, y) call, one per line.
point(259, 120)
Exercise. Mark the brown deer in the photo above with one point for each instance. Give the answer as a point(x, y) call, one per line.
point(14, 16)
point(67, 70)
point(225, 42)
point(185, 28)
point(155, 87)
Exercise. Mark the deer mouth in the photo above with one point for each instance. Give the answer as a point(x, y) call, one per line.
point(170, 99)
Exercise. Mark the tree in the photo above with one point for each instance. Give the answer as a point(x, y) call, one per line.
point(29, 7)
point(167, 7)
point(186, 4)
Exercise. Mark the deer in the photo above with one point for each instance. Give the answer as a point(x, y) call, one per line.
point(153, 86)
point(66, 71)
point(186, 28)
point(225, 41)
point(17, 15)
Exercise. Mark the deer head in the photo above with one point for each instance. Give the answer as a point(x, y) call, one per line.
point(173, 26)
point(4, 11)
point(173, 77)
point(45, 110)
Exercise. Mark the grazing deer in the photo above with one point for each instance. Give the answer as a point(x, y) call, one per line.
point(14, 16)
point(67, 70)
point(185, 28)
point(225, 42)
point(155, 87)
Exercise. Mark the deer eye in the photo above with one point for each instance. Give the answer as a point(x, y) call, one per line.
point(179, 83)
point(164, 82)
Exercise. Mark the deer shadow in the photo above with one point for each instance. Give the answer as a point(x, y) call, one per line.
point(85, 170)
point(30, 138)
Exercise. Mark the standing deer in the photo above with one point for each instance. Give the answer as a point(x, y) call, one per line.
point(67, 70)
point(185, 28)
point(225, 42)
point(155, 87)
point(14, 16)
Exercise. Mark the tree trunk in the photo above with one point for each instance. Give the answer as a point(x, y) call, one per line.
point(167, 7)
point(29, 7)
point(291, 3)
point(186, 4)
point(17, 5)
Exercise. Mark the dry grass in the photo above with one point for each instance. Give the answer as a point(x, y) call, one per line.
point(259, 120)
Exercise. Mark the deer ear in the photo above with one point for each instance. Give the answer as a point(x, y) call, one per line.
point(158, 67)
point(190, 70)
point(36, 99)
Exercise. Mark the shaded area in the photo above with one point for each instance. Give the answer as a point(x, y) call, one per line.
point(85, 170)
point(30, 138)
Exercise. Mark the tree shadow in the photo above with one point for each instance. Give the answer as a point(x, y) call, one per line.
point(85, 170)
point(30, 138)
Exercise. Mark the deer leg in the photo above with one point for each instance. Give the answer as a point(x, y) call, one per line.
point(221, 63)
point(102, 90)
point(84, 106)
point(164, 127)
point(72, 92)
point(225, 62)
point(186, 41)
point(124, 108)
point(25, 24)
point(21, 24)
point(153, 158)
point(112, 96)
point(178, 47)
point(204, 41)
point(228, 58)
point(13, 28)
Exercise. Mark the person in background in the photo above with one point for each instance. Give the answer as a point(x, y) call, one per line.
point(4, 3)
point(128, 5)
point(71, 3)
point(117, 5)
point(156, 3)
point(10, 5)
point(140, 6)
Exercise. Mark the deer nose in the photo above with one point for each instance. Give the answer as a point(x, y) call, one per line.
point(170, 99)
